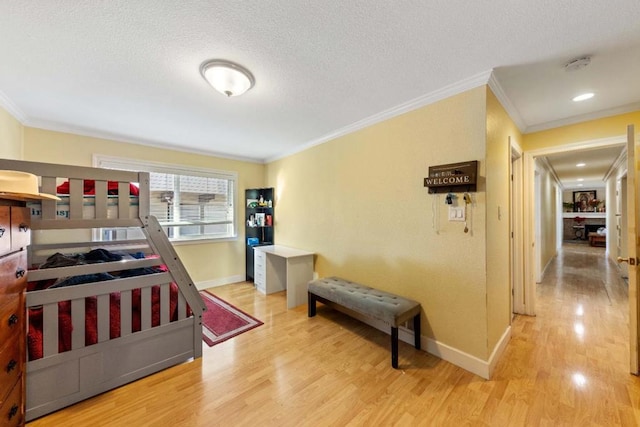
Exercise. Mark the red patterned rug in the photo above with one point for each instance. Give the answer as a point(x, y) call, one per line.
point(222, 320)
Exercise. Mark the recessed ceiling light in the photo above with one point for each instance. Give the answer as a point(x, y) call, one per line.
point(580, 165)
point(583, 97)
point(580, 179)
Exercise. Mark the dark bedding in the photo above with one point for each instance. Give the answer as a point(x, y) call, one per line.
point(90, 188)
point(65, 327)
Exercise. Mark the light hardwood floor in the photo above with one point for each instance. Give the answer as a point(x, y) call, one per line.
point(566, 366)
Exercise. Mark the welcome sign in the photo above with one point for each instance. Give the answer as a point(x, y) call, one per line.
point(451, 178)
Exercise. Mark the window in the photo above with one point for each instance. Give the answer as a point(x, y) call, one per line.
point(190, 203)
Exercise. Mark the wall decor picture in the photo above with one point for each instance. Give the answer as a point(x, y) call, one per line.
point(583, 200)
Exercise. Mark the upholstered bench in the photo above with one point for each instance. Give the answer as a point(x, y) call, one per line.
point(389, 308)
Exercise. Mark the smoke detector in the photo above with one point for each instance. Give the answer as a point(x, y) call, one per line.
point(577, 64)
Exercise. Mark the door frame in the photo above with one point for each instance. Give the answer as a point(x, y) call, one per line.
point(517, 259)
point(529, 209)
point(633, 242)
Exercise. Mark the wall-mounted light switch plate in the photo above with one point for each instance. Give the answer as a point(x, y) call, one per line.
point(456, 213)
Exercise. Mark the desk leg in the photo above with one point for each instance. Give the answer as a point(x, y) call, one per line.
point(299, 272)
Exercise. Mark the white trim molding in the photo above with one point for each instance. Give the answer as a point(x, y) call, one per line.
point(511, 110)
point(12, 108)
point(584, 118)
point(421, 101)
point(218, 282)
point(473, 364)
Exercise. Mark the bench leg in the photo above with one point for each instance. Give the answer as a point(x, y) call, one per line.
point(416, 330)
point(311, 307)
point(394, 347)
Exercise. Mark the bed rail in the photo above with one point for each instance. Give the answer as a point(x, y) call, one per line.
point(100, 210)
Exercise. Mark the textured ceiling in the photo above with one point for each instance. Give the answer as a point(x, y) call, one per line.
point(129, 70)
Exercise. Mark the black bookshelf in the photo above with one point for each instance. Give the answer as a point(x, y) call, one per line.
point(259, 222)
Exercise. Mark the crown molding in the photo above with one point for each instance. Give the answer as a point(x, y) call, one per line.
point(619, 164)
point(12, 108)
point(57, 127)
point(549, 167)
point(584, 117)
point(424, 100)
point(511, 110)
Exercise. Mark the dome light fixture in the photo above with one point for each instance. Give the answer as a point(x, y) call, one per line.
point(583, 97)
point(227, 77)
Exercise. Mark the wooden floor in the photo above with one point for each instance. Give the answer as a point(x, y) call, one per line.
point(567, 366)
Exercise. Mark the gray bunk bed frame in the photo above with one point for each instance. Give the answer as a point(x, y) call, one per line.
point(58, 379)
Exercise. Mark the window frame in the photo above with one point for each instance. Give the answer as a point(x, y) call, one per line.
point(137, 165)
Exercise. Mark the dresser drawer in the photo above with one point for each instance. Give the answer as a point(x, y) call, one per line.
point(20, 227)
point(260, 286)
point(5, 229)
point(13, 275)
point(259, 262)
point(259, 279)
point(12, 410)
point(11, 364)
point(12, 322)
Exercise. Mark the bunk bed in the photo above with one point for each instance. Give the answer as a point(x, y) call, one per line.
point(104, 312)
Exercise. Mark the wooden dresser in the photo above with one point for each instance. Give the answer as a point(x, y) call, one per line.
point(15, 235)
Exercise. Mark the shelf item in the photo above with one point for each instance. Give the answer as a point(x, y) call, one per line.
point(259, 223)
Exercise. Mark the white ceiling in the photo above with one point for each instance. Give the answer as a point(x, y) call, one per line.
point(129, 70)
point(597, 164)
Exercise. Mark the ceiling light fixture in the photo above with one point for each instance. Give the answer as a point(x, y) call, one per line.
point(583, 97)
point(580, 165)
point(227, 77)
point(580, 179)
point(577, 64)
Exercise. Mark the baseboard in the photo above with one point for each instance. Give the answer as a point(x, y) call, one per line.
point(219, 282)
point(498, 350)
point(445, 352)
point(470, 363)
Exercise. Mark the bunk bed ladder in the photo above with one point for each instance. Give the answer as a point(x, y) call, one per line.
point(163, 247)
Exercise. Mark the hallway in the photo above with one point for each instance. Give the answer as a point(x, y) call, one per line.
point(570, 363)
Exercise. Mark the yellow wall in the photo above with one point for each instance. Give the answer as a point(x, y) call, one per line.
point(205, 261)
point(359, 203)
point(11, 131)
point(500, 130)
point(606, 127)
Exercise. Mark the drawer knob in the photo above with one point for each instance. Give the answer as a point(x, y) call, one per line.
point(2, 230)
point(11, 365)
point(20, 272)
point(13, 319)
point(13, 411)
point(23, 227)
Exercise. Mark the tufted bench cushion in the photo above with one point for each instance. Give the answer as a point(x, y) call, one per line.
point(389, 308)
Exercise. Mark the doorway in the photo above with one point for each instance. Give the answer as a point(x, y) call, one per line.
point(535, 220)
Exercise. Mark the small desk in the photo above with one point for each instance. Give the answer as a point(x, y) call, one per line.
point(278, 268)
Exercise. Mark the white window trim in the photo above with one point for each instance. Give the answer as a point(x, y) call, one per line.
point(122, 163)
